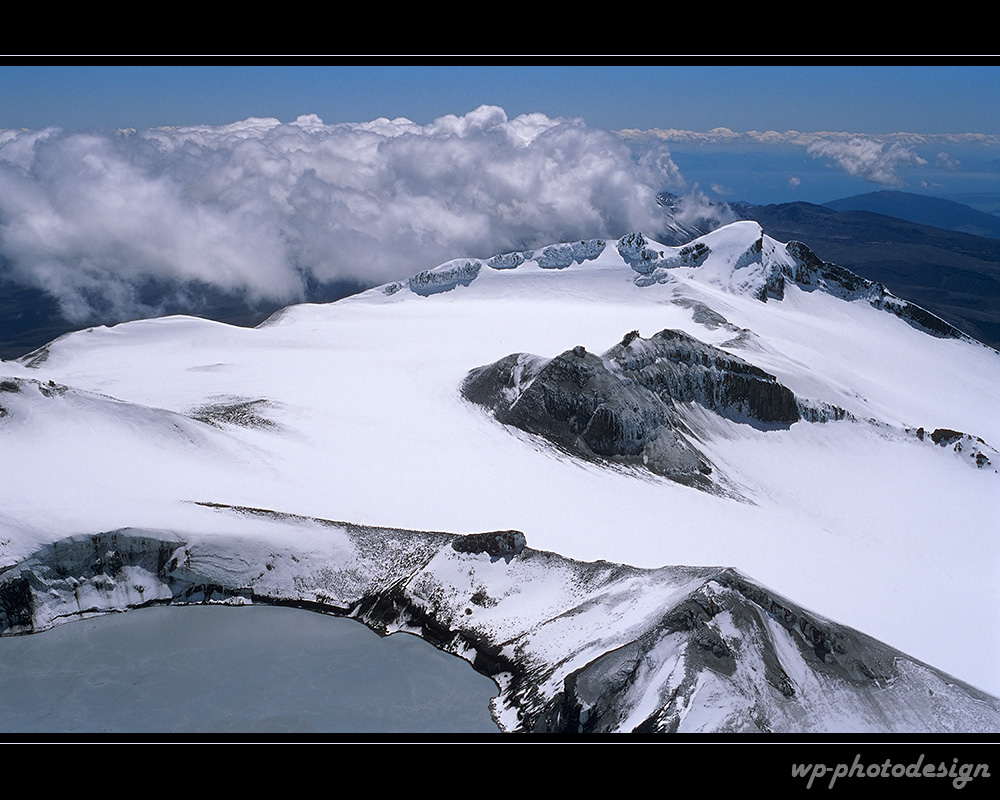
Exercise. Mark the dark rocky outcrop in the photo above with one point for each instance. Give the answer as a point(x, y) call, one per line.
point(675, 365)
point(243, 413)
point(635, 251)
point(496, 544)
point(972, 448)
point(812, 272)
point(627, 406)
point(726, 624)
point(85, 574)
point(444, 279)
point(563, 255)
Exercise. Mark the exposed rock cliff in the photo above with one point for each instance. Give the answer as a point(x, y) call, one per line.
point(626, 405)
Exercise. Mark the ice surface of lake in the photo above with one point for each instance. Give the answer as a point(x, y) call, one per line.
point(237, 670)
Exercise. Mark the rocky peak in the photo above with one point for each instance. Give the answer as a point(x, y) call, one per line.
point(627, 405)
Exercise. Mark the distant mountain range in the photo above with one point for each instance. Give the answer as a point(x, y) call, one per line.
point(933, 211)
point(953, 274)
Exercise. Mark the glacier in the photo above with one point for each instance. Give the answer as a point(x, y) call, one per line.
point(179, 460)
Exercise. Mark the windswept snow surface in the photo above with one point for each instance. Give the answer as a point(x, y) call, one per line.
point(352, 411)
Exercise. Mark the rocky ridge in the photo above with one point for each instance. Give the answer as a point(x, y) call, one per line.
point(627, 405)
point(573, 646)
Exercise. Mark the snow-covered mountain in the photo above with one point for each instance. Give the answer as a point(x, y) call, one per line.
point(683, 436)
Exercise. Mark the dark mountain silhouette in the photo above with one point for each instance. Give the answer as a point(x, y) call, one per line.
point(922, 209)
point(30, 317)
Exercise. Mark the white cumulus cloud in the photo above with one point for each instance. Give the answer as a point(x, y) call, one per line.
point(946, 161)
point(867, 158)
point(264, 208)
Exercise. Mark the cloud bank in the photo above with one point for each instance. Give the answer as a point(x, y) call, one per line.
point(723, 136)
point(873, 160)
point(265, 209)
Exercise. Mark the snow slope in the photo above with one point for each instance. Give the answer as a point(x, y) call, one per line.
point(353, 411)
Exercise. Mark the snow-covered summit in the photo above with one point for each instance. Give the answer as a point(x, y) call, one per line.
point(739, 258)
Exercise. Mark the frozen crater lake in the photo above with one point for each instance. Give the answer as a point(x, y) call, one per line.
point(234, 670)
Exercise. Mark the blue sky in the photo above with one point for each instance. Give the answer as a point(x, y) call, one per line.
point(934, 98)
